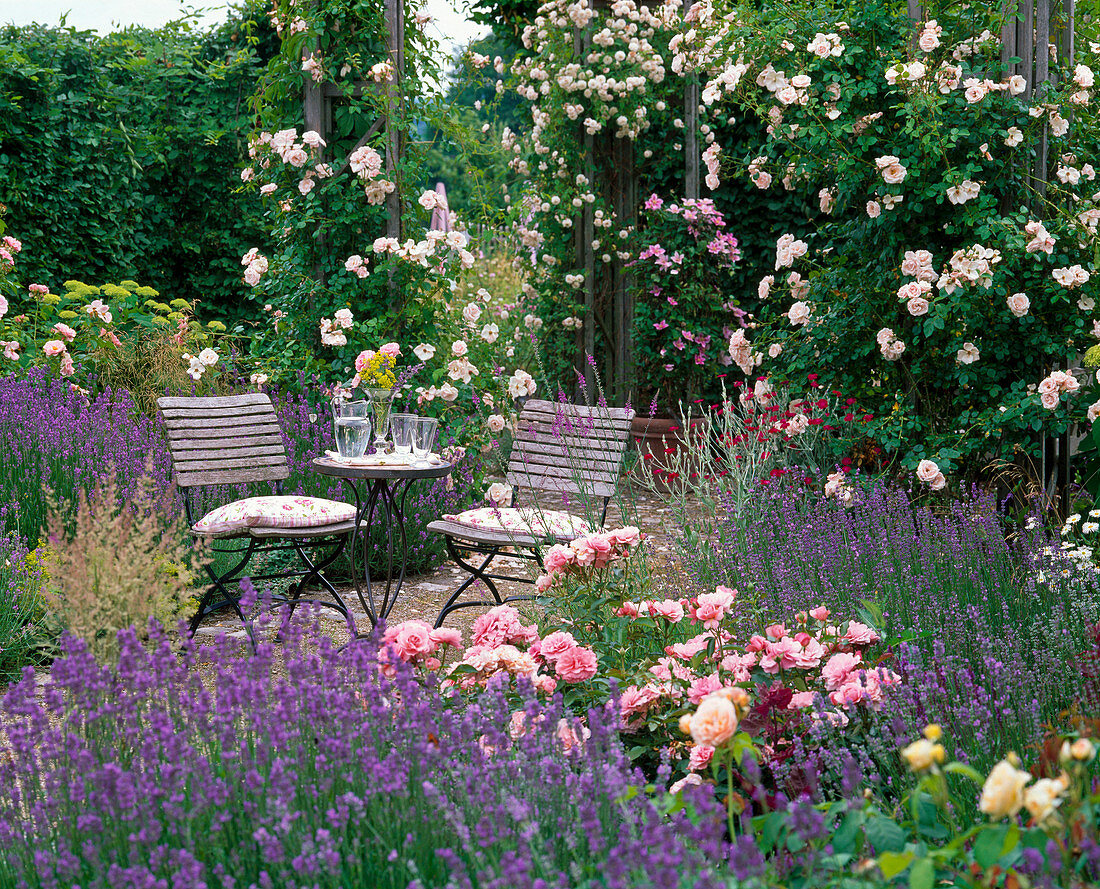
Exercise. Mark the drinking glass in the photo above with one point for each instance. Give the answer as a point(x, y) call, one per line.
point(352, 426)
point(402, 425)
point(423, 437)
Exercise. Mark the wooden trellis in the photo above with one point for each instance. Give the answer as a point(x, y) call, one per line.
point(318, 100)
point(608, 287)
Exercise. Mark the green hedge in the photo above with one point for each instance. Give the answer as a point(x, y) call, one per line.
point(120, 155)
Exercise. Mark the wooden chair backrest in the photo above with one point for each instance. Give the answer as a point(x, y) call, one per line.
point(224, 440)
point(570, 448)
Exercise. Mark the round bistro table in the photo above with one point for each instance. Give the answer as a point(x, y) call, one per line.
point(385, 490)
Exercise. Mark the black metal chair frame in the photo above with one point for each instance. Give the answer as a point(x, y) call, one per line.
point(460, 549)
point(293, 598)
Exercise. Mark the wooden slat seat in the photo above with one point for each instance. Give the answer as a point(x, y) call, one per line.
point(557, 448)
point(235, 440)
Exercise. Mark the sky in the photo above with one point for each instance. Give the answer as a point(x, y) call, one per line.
point(450, 27)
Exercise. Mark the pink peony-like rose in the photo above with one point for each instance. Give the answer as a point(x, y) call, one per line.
point(556, 644)
point(577, 664)
point(626, 536)
point(819, 613)
point(413, 639)
point(545, 684)
point(1018, 304)
point(917, 306)
point(543, 583)
point(671, 610)
point(500, 625)
point(391, 349)
point(635, 702)
point(837, 669)
point(926, 470)
point(703, 686)
point(700, 757)
point(801, 699)
point(714, 722)
point(860, 634)
point(558, 557)
point(447, 636)
point(585, 554)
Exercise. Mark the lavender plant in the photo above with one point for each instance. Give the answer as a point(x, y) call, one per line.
point(986, 645)
point(55, 438)
point(321, 773)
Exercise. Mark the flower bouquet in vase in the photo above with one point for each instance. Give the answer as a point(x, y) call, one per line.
point(375, 375)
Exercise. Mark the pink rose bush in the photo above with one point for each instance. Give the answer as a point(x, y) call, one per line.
point(587, 554)
point(816, 668)
point(503, 648)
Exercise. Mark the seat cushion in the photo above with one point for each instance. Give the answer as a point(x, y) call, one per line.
point(285, 511)
point(538, 523)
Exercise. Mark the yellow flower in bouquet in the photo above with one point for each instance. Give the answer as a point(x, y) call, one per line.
point(376, 369)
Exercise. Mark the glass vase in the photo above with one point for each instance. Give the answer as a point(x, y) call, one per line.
point(381, 400)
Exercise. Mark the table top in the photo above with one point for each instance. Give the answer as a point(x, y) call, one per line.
point(328, 466)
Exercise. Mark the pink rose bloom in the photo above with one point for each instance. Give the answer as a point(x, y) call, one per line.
point(685, 651)
point(801, 700)
point(635, 703)
point(53, 348)
point(710, 608)
point(781, 655)
point(813, 652)
point(700, 757)
point(820, 613)
point(837, 669)
point(775, 632)
point(627, 536)
point(714, 722)
point(601, 546)
point(557, 558)
point(545, 684)
point(917, 306)
point(628, 609)
point(66, 332)
point(704, 686)
point(576, 665)
point(413, 639)
point(571, 736)
point(860, 634)
point(66, 368)
point(670, 609)
point(1018, 304)
point(543, 583)
point(739, 666)
point(391, 349)
point(926, 470)
point(756, 643)
point(585, 554)
point(497, 626)
point(446, 636)
point(555, 645)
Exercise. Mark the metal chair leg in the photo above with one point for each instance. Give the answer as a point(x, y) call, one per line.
point(476, 573)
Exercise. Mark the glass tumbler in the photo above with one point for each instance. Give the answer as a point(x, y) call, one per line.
point(401, 427)
point(423, 438)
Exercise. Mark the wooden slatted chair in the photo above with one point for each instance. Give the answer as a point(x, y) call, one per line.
point(560, 448)
point(235, 440)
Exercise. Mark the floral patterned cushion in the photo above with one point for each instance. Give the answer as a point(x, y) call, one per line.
point(274, 512)
point(536, 522)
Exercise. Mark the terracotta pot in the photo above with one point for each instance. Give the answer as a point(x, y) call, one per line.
point(656, 438)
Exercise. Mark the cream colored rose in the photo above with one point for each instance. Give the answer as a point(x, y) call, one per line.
point(714, 722)
point(1003, 791)
point(922, 755)
point(1044, 796)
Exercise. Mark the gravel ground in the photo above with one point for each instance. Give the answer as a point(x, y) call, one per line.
point(423, 595)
